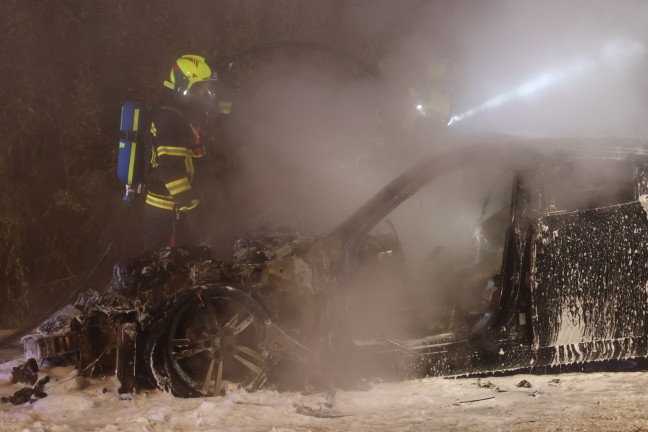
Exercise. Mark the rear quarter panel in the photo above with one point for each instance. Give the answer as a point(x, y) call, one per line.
point(589, 283)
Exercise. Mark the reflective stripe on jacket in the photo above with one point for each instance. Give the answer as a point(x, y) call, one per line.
point(160, 201)
point(172, 163)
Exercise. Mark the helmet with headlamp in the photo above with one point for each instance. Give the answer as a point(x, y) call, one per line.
point(189, 73)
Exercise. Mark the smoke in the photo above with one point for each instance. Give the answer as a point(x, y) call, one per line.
point(553, 68)
point(618, 56)
point(317, 140)
point(303, 133)
point(546, 69)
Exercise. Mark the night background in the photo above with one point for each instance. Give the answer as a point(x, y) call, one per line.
point(327, 109)
point(307, 80)
point(69, 66)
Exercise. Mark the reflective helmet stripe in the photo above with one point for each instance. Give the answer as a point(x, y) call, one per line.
point(188, 70)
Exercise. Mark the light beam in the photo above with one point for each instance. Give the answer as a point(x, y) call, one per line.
point(617, 53)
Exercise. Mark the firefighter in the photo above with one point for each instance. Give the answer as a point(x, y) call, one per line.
point(418, 103)
point(172, 201)
point(430, 96)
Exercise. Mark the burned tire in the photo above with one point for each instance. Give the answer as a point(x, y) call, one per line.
point(214, 337)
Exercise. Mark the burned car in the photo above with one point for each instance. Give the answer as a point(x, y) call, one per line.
point(551, 271)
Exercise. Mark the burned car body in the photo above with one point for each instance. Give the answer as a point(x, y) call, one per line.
point(567, 284)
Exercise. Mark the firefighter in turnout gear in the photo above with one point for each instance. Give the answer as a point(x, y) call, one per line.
point(430, 95)
point(427, 85)
point(417, 100)
point(172, 200)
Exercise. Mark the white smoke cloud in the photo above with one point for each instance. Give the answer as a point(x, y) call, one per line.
point(553, 68)
point(550, 68)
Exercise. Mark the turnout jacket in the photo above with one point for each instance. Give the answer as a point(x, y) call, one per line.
point(176, 143)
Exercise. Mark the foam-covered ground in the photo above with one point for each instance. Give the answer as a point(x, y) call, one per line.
point(602, 401)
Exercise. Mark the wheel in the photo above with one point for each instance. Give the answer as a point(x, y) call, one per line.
point(215, 337)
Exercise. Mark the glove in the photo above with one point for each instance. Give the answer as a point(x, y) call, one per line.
point(187, 206)
point(186, 200)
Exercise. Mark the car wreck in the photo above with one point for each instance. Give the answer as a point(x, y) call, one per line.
point(558, 275)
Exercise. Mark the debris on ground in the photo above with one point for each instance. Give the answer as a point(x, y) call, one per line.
point(322, 408)
point(477, 400)
point(524, 383)
point(28, 394)
point(554, 382)
point(320, 412)
point(488, 384)
point(27, 373)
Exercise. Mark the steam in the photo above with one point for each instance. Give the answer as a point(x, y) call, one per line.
point(317, 141)
point(552, 68)
point(617, 55)
point(306, 134)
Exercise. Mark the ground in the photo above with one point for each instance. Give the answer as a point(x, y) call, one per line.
point(601, 401)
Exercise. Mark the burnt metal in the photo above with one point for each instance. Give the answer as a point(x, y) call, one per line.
point(28, 394)
point(572, 287)
point(26, 373)
point(126, 353)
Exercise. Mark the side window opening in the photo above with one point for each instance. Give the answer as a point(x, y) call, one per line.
point(432, 259)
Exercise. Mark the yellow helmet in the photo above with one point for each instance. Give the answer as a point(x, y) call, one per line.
point(188, 70)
